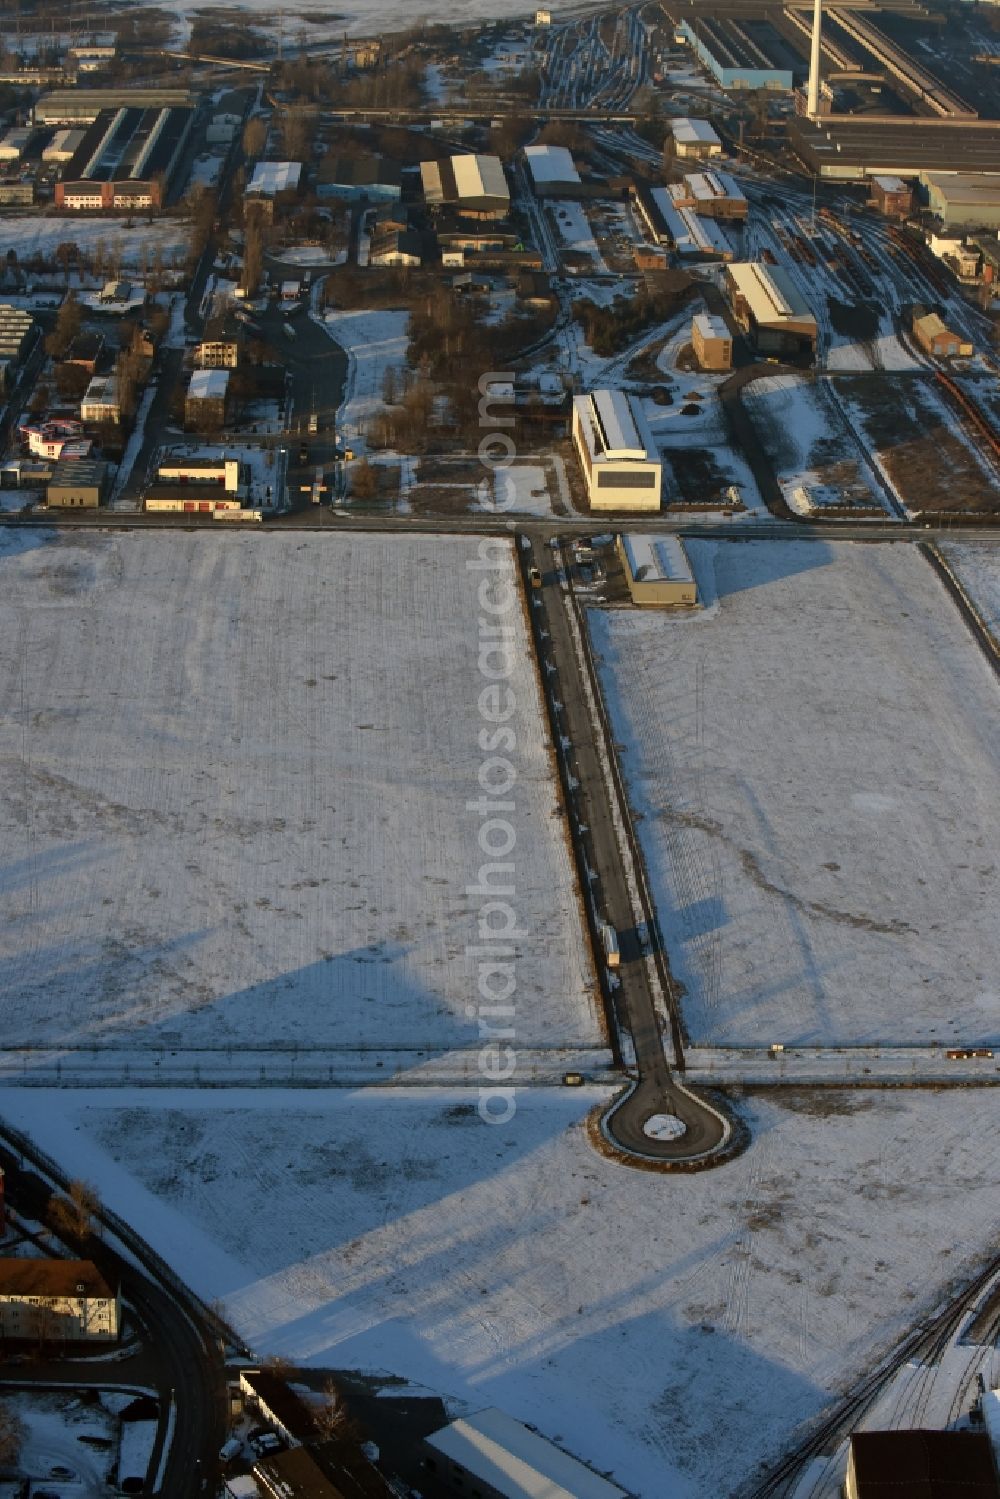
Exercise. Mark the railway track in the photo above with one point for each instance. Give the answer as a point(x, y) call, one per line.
point(926, 1344)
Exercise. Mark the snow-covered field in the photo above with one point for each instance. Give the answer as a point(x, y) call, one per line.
point(234, 778)
point(815, 762)
point(816, 461)
point(129, 239)
point(976, 564)
point(364, 16)
point(674, 1330)
point(374, 342)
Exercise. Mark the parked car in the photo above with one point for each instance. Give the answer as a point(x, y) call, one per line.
point(230, 1449)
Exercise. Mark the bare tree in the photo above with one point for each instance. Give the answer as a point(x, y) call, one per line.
point(11, 1437)
point(74, 1213)
point(254, 137)
point(364, 481)
point(333, 1419)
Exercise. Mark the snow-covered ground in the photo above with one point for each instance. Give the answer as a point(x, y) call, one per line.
point(235, 779)
point(816, 461)
point(364, 16)
point(814, 761)
point(575, 231)
point(673, 1330)
point(129, 239)
point(976, 565)
point(53, 1425)
point(374, 342)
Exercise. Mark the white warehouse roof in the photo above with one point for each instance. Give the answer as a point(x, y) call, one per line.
point(770, 293)
point(517, 1463)
point(711, 326)
point(891, 184)
point(474, 179)
point(691, 132)
point(617, 423)
point(657, 559)
point(208, 385)
point(549, 164)
point(271, 177)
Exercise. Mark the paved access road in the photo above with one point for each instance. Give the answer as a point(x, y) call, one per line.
point(642, 1005)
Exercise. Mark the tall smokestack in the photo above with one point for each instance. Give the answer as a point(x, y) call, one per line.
point(812, 106)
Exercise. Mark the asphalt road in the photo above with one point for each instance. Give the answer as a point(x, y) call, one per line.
point(642, 1005)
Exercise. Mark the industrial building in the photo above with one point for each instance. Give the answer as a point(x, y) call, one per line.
point(713, 195)
point(83, 106)
point(100, 401)
point(222, 127)
point(196, 484)
point(325, 1470)
point(931, 1464)
point(394, 246)
point(740, 53)
point(356, 179)
point(63, 146)
point(553, 171)
point(205, 402)
point(68, 1300)
point(616, 452)
point(127, 159)
point(657, 571)
point(270, 178)
point(695, 138)
point(77, 484)
point(769, 307)
point(857, 148)
point(223, 473)
point(14, 142)
point(493, 1455)
point(936, 339)
point(712, 342)
point(17, 194)
point(892, 196)
point(962, 199)
point(668, 222)
point(17, 329)
point(474, 186)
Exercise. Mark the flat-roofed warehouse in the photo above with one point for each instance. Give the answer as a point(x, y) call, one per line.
point(493, 1455)
point(553, 171)
point(273, 177)
point(77, 483)
point(742, 52)
point(849, 150)
point(961, 199)
point(921, 1464)
point(63, 146)
point(657, 571)
point(714, 195)
point(670, 223)
point(81, 106)
point(473, 185)
point(617, 452)
point(127, 159)
point(770, 307)
point(695, 138)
